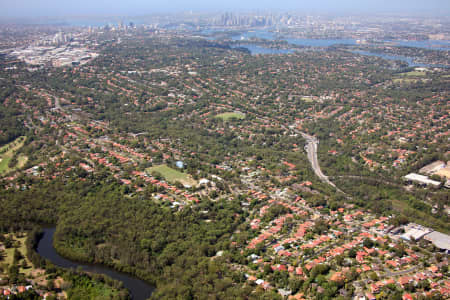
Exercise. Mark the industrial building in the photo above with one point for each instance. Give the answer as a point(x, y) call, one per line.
point(440, 240)
point(421, 179)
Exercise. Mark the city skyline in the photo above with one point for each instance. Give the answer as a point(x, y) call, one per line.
point(53, 8)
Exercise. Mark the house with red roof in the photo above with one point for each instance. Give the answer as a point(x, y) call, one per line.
point(407, 297)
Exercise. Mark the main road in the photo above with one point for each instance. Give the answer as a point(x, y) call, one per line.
point(311, 150)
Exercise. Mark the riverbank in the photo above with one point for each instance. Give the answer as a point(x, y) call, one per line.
point(24, 274)
point(138, 288)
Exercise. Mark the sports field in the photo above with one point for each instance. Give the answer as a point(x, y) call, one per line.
point(7, 153)
point(172, 175)
point(231, 115)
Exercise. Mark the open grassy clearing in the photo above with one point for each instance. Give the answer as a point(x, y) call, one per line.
point(307, 99)
point(7, 153)
point(414, 74)
point(404, 80)
point(172, 175)
point(9, 255)
point(22, 160)
point(23, 251)
point(231, 115)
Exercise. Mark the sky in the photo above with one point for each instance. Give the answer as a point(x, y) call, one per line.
point(62, 8)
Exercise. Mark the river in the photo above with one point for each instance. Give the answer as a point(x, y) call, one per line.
point(139, 289)
point(256, 49)
point(317, 43)
point(310, 42)
point(409, 60)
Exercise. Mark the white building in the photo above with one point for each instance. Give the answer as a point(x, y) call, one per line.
point(421, 179)
point(440, 240)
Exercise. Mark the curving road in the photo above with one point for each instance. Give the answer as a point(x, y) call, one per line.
point(311, 150)
point(400, 273)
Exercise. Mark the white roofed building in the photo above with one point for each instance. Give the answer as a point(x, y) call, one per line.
point(440, 240)
point(421, 179)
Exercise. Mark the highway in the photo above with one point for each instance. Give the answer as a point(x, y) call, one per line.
point(311, 150)
point(58, 104)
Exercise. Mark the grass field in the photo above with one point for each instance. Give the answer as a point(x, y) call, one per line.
point(22, 160)
point(414, 74)
point(307, 99)
point(5, 157)
point(404, 80)
point(410, 80)
point(172, 175)
point(9, 255)
point(231, 115)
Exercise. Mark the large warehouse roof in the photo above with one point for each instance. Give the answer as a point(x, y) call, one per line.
point(440, 240)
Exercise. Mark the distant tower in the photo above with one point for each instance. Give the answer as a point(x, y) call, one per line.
point(59, 38)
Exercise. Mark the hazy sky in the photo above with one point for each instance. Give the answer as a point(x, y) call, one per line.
point(39, 8)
